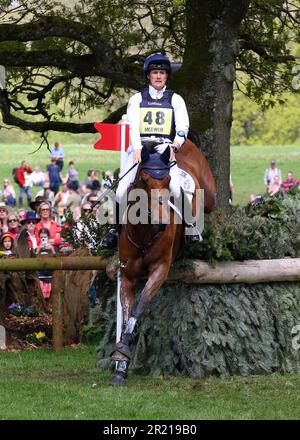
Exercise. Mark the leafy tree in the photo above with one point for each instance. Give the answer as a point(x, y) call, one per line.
point(63, 59)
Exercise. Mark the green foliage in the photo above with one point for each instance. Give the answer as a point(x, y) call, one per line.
point(92, 334)
point(278, 125)
point(215, 330)
point(262, 230)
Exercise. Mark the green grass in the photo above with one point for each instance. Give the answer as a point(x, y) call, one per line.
point(248, 164)
point(84, 156)
point(67, 385)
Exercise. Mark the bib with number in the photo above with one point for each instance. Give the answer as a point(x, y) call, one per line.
point(156, 121)
point(157, 115)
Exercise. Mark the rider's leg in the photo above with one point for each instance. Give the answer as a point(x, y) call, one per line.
point(192, 230)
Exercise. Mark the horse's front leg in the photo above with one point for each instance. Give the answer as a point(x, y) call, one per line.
point(157, 276)
point(121, 353)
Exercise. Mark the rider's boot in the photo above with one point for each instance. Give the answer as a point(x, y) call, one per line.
point(110, 240)
point(192, 233)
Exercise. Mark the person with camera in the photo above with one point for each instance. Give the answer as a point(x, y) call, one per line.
point(45, 248)
point(44, 211)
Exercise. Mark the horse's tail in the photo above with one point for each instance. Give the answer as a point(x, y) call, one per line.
point(193, 136)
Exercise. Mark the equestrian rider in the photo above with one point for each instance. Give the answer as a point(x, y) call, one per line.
point(157, 114)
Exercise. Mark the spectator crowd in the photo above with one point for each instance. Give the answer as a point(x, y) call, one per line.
point(274, 185)
point(43, 218)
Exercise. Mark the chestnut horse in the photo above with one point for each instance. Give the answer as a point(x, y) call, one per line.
point(151, 248)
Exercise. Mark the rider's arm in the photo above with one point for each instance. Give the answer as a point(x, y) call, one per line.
point(133, 117)
point(181, 119)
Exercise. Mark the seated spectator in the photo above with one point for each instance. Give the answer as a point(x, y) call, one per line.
point(270, 173)
point(9, 194)
point(21, 213)
point(7, 244)
point(44, 212)
point(275, 187)
point(87, 183)
point(34, 205)
point(61, 198)
point(255, 198)
point(13, 224)
point(3, 218)
point(290, 182)
point(74, 198)
point(95, 190)
point(72, 173)
point(37, 177)
point(46, 193)
point(81, 229)
point(44, 248)
point(29, 222)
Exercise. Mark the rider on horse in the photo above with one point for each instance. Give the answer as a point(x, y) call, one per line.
point(159, 116)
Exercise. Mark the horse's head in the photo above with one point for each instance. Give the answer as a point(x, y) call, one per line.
point(154, 175)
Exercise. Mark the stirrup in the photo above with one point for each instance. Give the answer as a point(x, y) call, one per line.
point(192, 234)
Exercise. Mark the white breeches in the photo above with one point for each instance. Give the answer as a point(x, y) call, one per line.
point(129, 178)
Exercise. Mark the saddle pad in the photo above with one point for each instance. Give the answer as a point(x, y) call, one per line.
point(187, 183)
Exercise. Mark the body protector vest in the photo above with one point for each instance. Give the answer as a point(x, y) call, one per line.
point(157, 115)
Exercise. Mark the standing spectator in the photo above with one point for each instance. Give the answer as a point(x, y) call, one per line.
point(9, 194)
point(44, 211)
point(3, 218)
point(270, 173)
point(57, 152)
point(54, 176)
point(290, 182)
point(30, 221)
point(23, 179)
point(13, 224)
point(37, 177)
point(72, 173)
point(45, 248)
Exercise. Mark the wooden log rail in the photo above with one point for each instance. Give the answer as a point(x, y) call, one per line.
point(198, 272)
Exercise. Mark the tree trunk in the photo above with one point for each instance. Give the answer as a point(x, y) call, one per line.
point(206, 80)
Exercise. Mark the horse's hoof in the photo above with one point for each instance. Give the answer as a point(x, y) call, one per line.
point(117, 380)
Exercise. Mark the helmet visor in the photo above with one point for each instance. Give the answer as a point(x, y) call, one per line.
point(159, 66)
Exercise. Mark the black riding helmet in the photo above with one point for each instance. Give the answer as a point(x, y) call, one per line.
point(157, 61)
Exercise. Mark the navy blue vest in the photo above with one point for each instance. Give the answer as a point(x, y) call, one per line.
point(157, 115)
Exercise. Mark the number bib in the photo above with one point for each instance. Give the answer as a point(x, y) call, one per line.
point(156, 121)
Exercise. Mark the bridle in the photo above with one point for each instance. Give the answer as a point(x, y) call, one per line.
point(158, 228)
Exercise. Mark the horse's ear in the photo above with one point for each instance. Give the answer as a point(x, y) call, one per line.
point(165, 156)
point(144, 154)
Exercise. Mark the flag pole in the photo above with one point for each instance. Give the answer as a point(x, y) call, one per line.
point(122, 170)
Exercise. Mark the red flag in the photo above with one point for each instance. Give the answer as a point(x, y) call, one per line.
point(111, 136)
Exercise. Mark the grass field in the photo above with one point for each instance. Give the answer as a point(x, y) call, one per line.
point(247, 163)
point(67, 386)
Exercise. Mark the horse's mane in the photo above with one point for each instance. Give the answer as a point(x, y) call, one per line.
point(193, 136)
